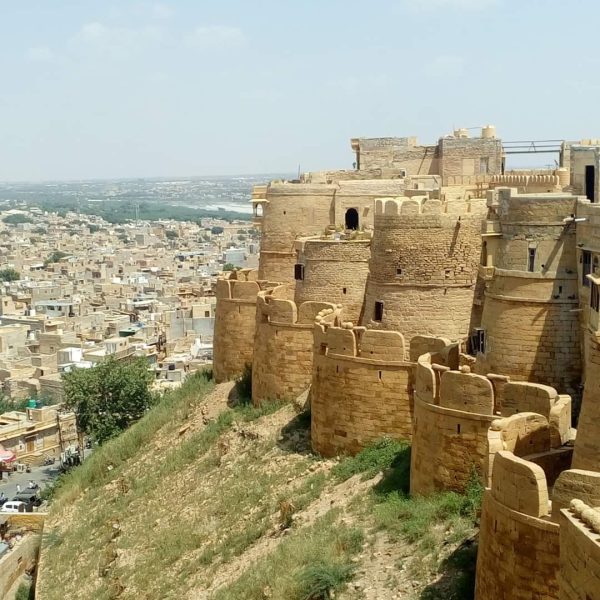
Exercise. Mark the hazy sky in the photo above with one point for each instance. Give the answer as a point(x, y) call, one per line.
point(99, 89)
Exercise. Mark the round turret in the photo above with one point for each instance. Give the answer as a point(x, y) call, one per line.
point(529, 327)
point(423, 269)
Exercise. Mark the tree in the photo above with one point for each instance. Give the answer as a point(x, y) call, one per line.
point(16, 219)
point(109, 397)
point(171, 235)
point(9, 274)
point(55, 257)
point(229, 267)
point(216, 230)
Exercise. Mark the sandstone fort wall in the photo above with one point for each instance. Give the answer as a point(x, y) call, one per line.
point(529, 315)
point(283, 345)
point(235, 320)
point(456, 428)
point(334, 271)
point(579, 553)
point(518, 543)
point(362, 387)
point(424, 264)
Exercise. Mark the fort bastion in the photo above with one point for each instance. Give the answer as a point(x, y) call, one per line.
point(430, 294)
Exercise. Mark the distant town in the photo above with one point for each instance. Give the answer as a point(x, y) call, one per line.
point(75, 289)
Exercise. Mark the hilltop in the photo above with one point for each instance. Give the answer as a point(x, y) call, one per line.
point(207, 497)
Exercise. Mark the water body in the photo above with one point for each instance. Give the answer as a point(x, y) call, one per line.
point(208, 193)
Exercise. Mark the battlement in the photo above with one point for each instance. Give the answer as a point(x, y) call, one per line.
point(579, 552)
point(359, 342)
point(425, 205)
point(520, 485)
point(518, 542)
point(276, 307)
point(440, 383)
point(242, 285)
point(362, 384)
point(235, 321)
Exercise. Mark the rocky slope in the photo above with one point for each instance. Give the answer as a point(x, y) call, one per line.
point(201, 500)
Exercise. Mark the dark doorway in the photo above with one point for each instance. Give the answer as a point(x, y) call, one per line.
point(351, 218)
point(590, 183)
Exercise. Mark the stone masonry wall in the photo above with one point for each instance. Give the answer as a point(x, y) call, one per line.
point(424, 264)
point(579, 575)
point(449, 441)
point(235, 320)
point(518, 544)
point(283, 345)
point(530, 319)
point(362, 388)
point(587, 449)
point(456, 426)
point(334, 271)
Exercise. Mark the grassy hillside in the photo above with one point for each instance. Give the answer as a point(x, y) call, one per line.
point(202, 500)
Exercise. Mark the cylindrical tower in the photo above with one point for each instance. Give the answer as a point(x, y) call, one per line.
point(424, 262)
point(529, 326)
point(330, 270)
point(291, 210)
point(235, 320)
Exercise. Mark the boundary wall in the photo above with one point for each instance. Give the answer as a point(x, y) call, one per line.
point(334, 271)
point(456, 427)
point(579, 552)
point(518, 557)
point(425, 255)
point(362, 386)
point(283, 344)
point(235, 321)
point(530, 318)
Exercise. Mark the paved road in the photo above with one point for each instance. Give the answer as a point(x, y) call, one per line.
point(41, 475)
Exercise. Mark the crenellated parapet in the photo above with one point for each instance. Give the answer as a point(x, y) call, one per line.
point(235, 320)
point(530, 327)
point(579, 552)
point(424, 262)
point(518, 540)
point(457, 429)
point(283, 343)
point(362, 385)
point(334, 270)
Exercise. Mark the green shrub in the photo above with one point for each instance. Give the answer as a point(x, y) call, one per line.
point(318, 581)
point(381, 455)
point(24, 592)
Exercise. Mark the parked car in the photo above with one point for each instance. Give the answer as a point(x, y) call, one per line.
point(14, 506)
point(30, 497)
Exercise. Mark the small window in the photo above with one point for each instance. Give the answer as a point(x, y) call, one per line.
point(398, 271)
point(586, 260)
point(595, 298)
point(343, 290)
point(531, 260)
point(478, 341)
point(299, 272)
point(484, 165)
point(378, 314)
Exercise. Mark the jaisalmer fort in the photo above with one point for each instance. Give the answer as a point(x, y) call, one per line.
point(434, 295)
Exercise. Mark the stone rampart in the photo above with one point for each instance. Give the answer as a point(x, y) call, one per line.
point(283, 344)
point(456, 426)
point(579, 574)
point(424, 265)
point(518, 543)
point(529, 320)
point(362, 386)
point(333, 271)
point(235, 321)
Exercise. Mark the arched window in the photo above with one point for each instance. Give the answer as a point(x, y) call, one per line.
point(351, 218)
